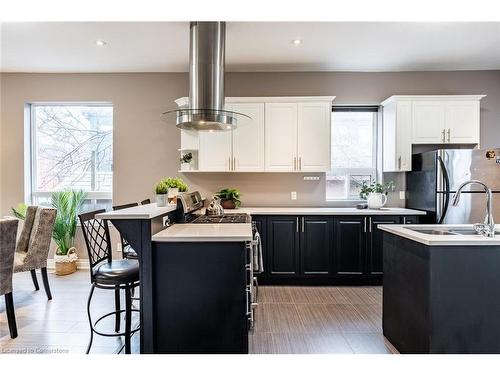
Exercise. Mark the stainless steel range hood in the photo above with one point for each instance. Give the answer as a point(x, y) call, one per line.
point(206, 81)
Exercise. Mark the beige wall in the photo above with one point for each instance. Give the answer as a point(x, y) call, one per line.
point(145, 148)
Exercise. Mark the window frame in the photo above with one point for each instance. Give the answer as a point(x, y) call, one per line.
point(348, 172)
point(33, 194)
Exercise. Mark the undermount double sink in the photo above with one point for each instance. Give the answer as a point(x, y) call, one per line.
point(449, 231)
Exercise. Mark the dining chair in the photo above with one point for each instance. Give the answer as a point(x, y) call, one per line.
point(33, 246)
point(8, 233)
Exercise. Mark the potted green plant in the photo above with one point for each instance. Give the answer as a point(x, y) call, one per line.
point(161, 190)
point(186, 161)
point(68, 204)
point(376, 193)
point(230, 198)
point(171, 187)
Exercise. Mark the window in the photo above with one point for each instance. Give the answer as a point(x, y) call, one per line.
point(354, 134)
point(72, 148)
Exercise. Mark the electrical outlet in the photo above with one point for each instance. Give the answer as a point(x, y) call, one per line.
point(402, 195)
point(294, 196)
point(166, 221)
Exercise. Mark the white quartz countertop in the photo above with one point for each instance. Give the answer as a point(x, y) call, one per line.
point(145, 211)
point(406, 231)
point(322, 211)
point(205, 233)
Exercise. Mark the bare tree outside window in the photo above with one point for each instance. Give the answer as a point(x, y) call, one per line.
point(72, 149)
point(353, 143)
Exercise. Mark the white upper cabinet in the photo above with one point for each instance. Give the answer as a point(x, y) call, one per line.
point(313, 136)
point(281, 137)
point(461, 121)
point(248, 138)
point(215, 154)
point(426, 119)
point(298, 136)
point(283, 134)
point(446, 119)
point(397, 136)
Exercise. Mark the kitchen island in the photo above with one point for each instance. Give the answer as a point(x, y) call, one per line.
point(441, 290)
point(201, 301)
point(193, 281)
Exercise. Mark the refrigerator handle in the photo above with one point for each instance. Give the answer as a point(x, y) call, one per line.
point(446, 190)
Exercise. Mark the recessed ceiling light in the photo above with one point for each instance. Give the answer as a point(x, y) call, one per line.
point(100, 43)
point(297, 42)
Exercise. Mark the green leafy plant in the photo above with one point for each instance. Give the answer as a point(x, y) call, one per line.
point(375, 187)
point(175, 182)
point(230, 194)
point(161, 188)
point(186, 158)
point(68, 204)
point(20, 211)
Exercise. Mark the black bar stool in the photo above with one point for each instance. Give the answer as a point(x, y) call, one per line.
point(106, 273)
point(127, 251)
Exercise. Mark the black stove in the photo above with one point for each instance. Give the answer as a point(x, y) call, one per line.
point(223, 219)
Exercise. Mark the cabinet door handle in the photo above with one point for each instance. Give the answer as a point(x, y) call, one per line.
point(295, 163)
point(300, 163)
point(370, 226)
point(449, 137)
point(229, 163)
point(234, 163)
point(443, 136)
point(399, 162)
point(365, 223)
point(404, 220)
point(303, 225)
point(297, 224)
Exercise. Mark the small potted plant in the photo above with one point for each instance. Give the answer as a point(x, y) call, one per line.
point(174, 185)
point(68, 204)
point(161, 190)
point(186, 161)
point(376, 193)
point(230, 198)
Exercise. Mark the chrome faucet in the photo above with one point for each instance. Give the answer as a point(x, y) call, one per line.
point(487, 228)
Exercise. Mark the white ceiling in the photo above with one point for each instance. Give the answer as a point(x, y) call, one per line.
point(252, 46)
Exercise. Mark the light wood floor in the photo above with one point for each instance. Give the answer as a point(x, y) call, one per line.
point(298, 320)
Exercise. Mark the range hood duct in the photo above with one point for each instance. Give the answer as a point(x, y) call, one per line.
point(206, 80)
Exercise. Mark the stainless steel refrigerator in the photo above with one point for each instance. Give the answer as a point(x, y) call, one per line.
point(436, 175)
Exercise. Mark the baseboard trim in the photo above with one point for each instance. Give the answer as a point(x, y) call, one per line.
point(81, 264)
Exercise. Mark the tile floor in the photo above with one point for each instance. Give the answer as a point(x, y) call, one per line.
point(302, 320)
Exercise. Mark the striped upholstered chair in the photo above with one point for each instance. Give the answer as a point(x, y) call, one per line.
point(34, 242)
point(8, 232)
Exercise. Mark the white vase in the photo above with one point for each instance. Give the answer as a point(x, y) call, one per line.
point(161, 200)
point(376, 200)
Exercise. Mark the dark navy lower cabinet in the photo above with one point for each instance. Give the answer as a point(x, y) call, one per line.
point(283, 245)
point(350, 245)
point(322, 249)
point(316, 240)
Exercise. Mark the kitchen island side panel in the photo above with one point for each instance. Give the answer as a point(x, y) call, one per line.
point(199, 297)
point(465, 299)
point(406, 309)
